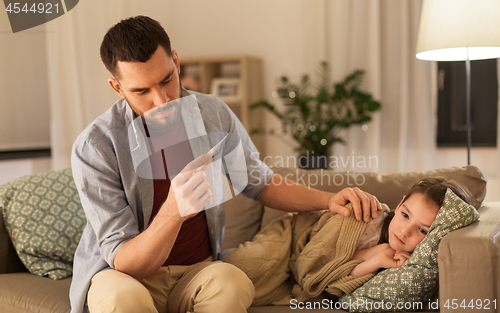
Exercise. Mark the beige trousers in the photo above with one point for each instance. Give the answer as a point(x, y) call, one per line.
point(203, 287)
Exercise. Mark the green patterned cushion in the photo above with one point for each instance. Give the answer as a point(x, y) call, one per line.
point(45, 220)
point(417, 280)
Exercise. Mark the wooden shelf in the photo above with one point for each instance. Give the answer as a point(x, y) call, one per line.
point(246, 70)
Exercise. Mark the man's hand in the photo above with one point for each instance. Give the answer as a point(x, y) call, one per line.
point(363, 203)
point(189, 190)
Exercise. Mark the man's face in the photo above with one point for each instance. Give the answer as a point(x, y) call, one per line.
point(148, 87)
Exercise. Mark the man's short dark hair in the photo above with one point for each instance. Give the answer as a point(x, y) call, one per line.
point(133, 40)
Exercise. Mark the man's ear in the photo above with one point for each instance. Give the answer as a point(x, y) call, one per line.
point(175, 57)
point(116, 87)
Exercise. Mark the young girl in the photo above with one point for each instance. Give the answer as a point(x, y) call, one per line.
point(399, 232)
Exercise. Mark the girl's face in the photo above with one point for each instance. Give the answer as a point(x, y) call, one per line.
point(411, 222)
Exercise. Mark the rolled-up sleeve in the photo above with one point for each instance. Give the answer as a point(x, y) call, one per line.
point(257, 172)
point(96, 175)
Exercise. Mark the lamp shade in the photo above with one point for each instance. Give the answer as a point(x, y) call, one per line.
point(451, 28)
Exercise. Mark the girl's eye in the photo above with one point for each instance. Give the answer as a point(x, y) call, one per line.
point(404, 215)
point(165, 82)
point(423, 231)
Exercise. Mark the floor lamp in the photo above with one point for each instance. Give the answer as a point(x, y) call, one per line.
point(460, 30)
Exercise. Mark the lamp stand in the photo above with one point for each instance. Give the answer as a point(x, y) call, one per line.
point(468, 105)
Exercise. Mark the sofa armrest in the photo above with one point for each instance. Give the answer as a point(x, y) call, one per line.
point(469, 265)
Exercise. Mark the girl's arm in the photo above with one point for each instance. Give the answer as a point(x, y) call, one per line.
point(386, 258)
point(364, 268)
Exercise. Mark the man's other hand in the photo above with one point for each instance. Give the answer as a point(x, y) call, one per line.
point(363, 203)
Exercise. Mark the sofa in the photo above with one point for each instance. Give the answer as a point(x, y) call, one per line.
point(469, 262)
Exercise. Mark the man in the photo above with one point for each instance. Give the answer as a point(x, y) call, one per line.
point(145, 247)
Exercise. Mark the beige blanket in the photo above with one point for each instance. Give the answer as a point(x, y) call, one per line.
point(301, 255)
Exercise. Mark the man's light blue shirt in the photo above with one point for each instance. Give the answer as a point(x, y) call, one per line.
point(118, 202)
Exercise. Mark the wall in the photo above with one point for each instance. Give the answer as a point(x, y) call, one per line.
point(12, 169)
point(24, 103)
point(24, 99)
point(484, 158)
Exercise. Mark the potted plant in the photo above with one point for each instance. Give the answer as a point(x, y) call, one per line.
point(315, 115)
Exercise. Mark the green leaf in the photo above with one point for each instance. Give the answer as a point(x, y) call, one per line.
point(330, 107)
